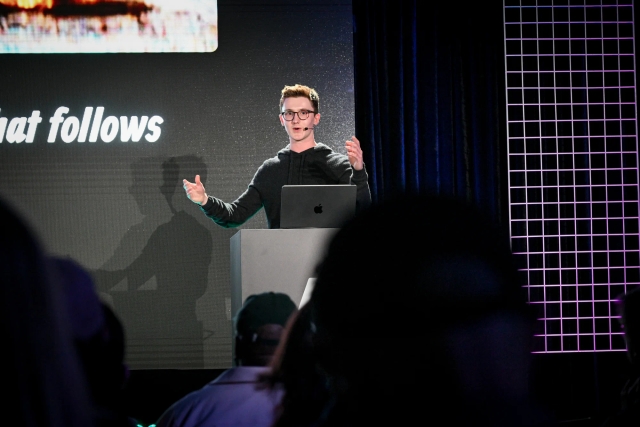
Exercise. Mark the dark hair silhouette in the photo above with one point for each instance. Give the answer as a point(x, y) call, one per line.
point(436, 296)
point(259, 325)
point(294, 368)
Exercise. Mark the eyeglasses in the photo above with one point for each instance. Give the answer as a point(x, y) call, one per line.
point(302, 114)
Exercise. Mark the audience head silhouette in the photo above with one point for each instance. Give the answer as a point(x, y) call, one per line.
point(259, 325)
point(99, 340)
point(294, 369)
point(438, 300)
point(238, 397)
point(43, 377)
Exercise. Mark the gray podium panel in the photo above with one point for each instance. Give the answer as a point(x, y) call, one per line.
point(275, 260)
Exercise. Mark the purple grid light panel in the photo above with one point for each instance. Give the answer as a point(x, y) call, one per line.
point(573, 165)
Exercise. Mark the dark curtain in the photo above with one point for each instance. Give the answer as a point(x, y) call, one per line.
point(429, 99)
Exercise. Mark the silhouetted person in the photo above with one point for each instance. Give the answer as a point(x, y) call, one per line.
point(629, 412)
point(161, 269)
point(426, 322)
point(42, 379)
point(294, 369)
point(99, 340)
point(238, 397)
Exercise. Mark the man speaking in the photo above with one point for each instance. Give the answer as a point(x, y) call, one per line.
point(303, 162)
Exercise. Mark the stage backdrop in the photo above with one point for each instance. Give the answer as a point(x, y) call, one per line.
point(94, 147)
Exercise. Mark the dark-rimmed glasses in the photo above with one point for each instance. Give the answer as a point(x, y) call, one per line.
point(302, 114)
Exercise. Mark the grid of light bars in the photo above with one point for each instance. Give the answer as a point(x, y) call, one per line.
point(573, 165)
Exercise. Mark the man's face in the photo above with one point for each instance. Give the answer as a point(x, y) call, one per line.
point(296, 127)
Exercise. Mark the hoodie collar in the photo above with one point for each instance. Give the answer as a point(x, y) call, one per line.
point(319, 147)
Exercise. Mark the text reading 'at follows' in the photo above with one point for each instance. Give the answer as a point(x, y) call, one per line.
point(93, 127)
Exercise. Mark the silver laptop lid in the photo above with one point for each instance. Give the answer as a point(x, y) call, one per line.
point(317, 206)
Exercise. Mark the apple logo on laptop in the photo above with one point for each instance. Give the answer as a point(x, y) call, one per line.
point(318, 209)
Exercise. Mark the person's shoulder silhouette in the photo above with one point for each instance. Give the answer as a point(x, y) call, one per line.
point(99, 340)
point(43, 379)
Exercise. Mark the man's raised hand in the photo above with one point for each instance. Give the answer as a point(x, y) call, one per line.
point(355, 153)
point(195, 191)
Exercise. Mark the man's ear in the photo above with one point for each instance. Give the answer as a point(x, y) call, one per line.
point(281, 119)
point(317, 119)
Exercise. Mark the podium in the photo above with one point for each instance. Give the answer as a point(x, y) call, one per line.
point(275, 260)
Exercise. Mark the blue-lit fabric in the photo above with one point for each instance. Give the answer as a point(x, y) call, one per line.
point(429, 97)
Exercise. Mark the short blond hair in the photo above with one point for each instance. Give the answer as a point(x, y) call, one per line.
point(300, 91)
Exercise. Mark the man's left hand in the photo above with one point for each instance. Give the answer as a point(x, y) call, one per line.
point(355, 153)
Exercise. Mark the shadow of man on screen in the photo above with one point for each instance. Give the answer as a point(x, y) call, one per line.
point(160, 269)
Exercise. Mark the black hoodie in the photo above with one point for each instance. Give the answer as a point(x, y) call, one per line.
point(317, 165)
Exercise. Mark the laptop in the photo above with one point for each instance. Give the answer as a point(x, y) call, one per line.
point(317, 206)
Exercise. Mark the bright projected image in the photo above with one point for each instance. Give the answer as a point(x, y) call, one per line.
point(108, 26)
